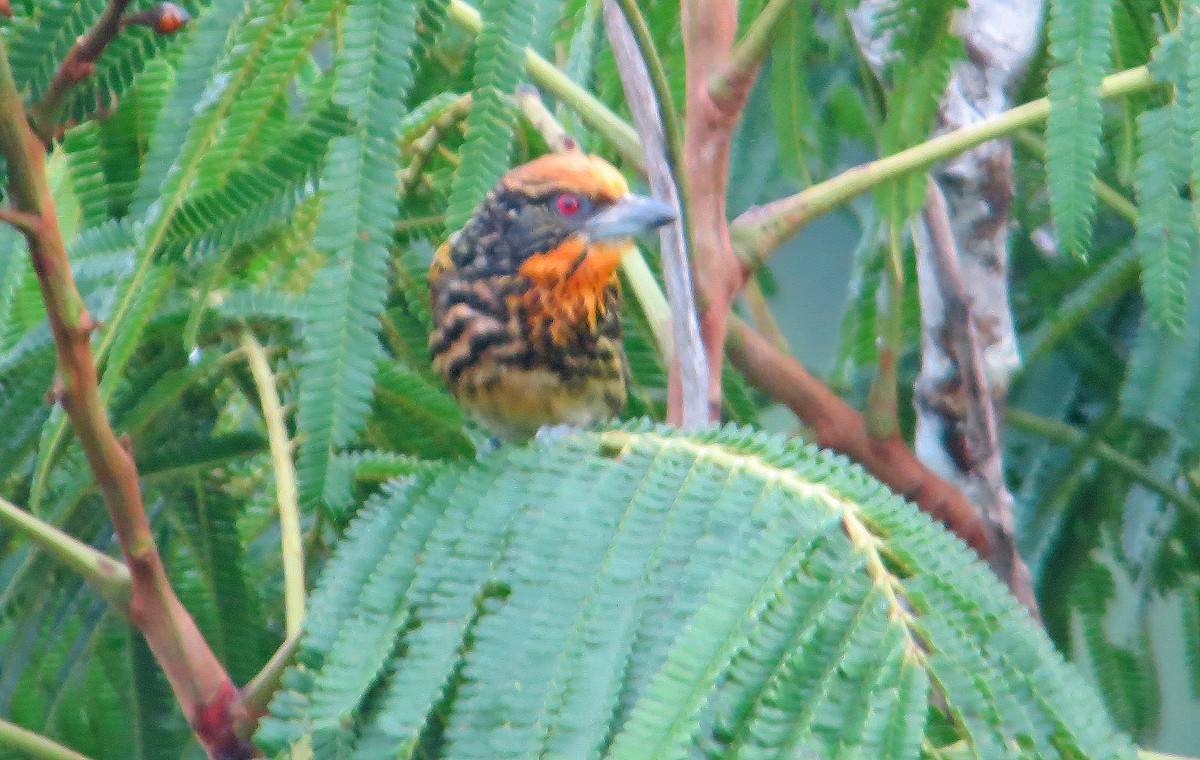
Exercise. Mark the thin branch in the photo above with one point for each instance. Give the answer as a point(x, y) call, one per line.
point(709, 27)
point(687, 404)
point(762, 229)
point(591, 109)
point(422, 147)
point(24, 222)
point(539, 117)
point(658, 82)
point(109, 576)
point(750, 51)
point(80, 62)
point(981, 430)
point(33, 745)
point(285, 483)
point(839, 427)
point(1064, 434)
point(762, 317)
point(257, 694)
point(201, 685)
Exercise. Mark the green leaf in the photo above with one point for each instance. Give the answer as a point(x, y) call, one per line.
point(508, 28)
point(357, 218)
point(1080, 43)
point(641, 593)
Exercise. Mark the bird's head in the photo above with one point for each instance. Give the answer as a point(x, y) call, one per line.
point(561, 219)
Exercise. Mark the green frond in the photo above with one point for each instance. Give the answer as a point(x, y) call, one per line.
point(357, 219)
point(23, 407)
point(508, 28)
point(1080, 43)
point(640, 593)
point(371, 466)
point(414, 416)
point(210, 521)
point(284, 56)
point(1165, 240)
point(915, 85)
point(1162, 365)
point(259, 195)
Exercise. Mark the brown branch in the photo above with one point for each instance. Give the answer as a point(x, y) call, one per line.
point(80, 62)
point(839, 427)
point(708, 30)
point(205, 693)
point(750, 51)
point(687, 403)
point(978, 412)
point(23, 221)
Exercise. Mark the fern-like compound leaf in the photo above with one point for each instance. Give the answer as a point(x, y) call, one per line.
point(641, 593)
point(1080, 44)
point(374, 74)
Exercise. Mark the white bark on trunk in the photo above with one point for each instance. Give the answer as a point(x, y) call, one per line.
point(955, 437)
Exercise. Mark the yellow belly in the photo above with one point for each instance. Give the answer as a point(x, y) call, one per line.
point(513, 403)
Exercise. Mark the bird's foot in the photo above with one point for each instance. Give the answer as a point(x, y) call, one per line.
point(551, 433)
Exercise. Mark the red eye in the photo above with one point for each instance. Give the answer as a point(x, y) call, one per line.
point(568, 204)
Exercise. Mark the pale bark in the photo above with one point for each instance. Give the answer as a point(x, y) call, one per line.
point(976, 350)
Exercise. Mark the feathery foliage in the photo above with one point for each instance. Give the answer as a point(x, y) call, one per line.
point(289, 168)
point(1080, 43)
point(783, 587)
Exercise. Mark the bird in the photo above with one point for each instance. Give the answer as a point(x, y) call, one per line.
point(525, 297)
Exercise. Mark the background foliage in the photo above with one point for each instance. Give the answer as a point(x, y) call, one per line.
point(287, 168)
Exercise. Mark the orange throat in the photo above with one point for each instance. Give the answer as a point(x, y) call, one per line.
point(569, 284)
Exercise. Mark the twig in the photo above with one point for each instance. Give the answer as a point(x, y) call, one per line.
point(1062, 433)
point(23, 221)
point(760, 230)
point(80, 62)
point(34, 746)
point(594, 113)
point(981, 430)
point(257, 694)
point(708, 31)
point(839, 427)
point(539, 117)
point(658, 84)
point(750, 51)
point(201, 685)
point(688, 402)
point(110, 577)
point(285, 483)
point(422, 147)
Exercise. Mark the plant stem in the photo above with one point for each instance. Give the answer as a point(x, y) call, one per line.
point(110, 577)
point(33, 745)
point(1062, 433)
point(658, 79)
point(285, 483)
point(687, 390)
point(759, 231)
point(257, 694)
point(750, 51)
point(1106, 193)
point(75, 67)
point(200, 683)
point(590, 108)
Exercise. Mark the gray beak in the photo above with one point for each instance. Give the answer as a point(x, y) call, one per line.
point(629, 216)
